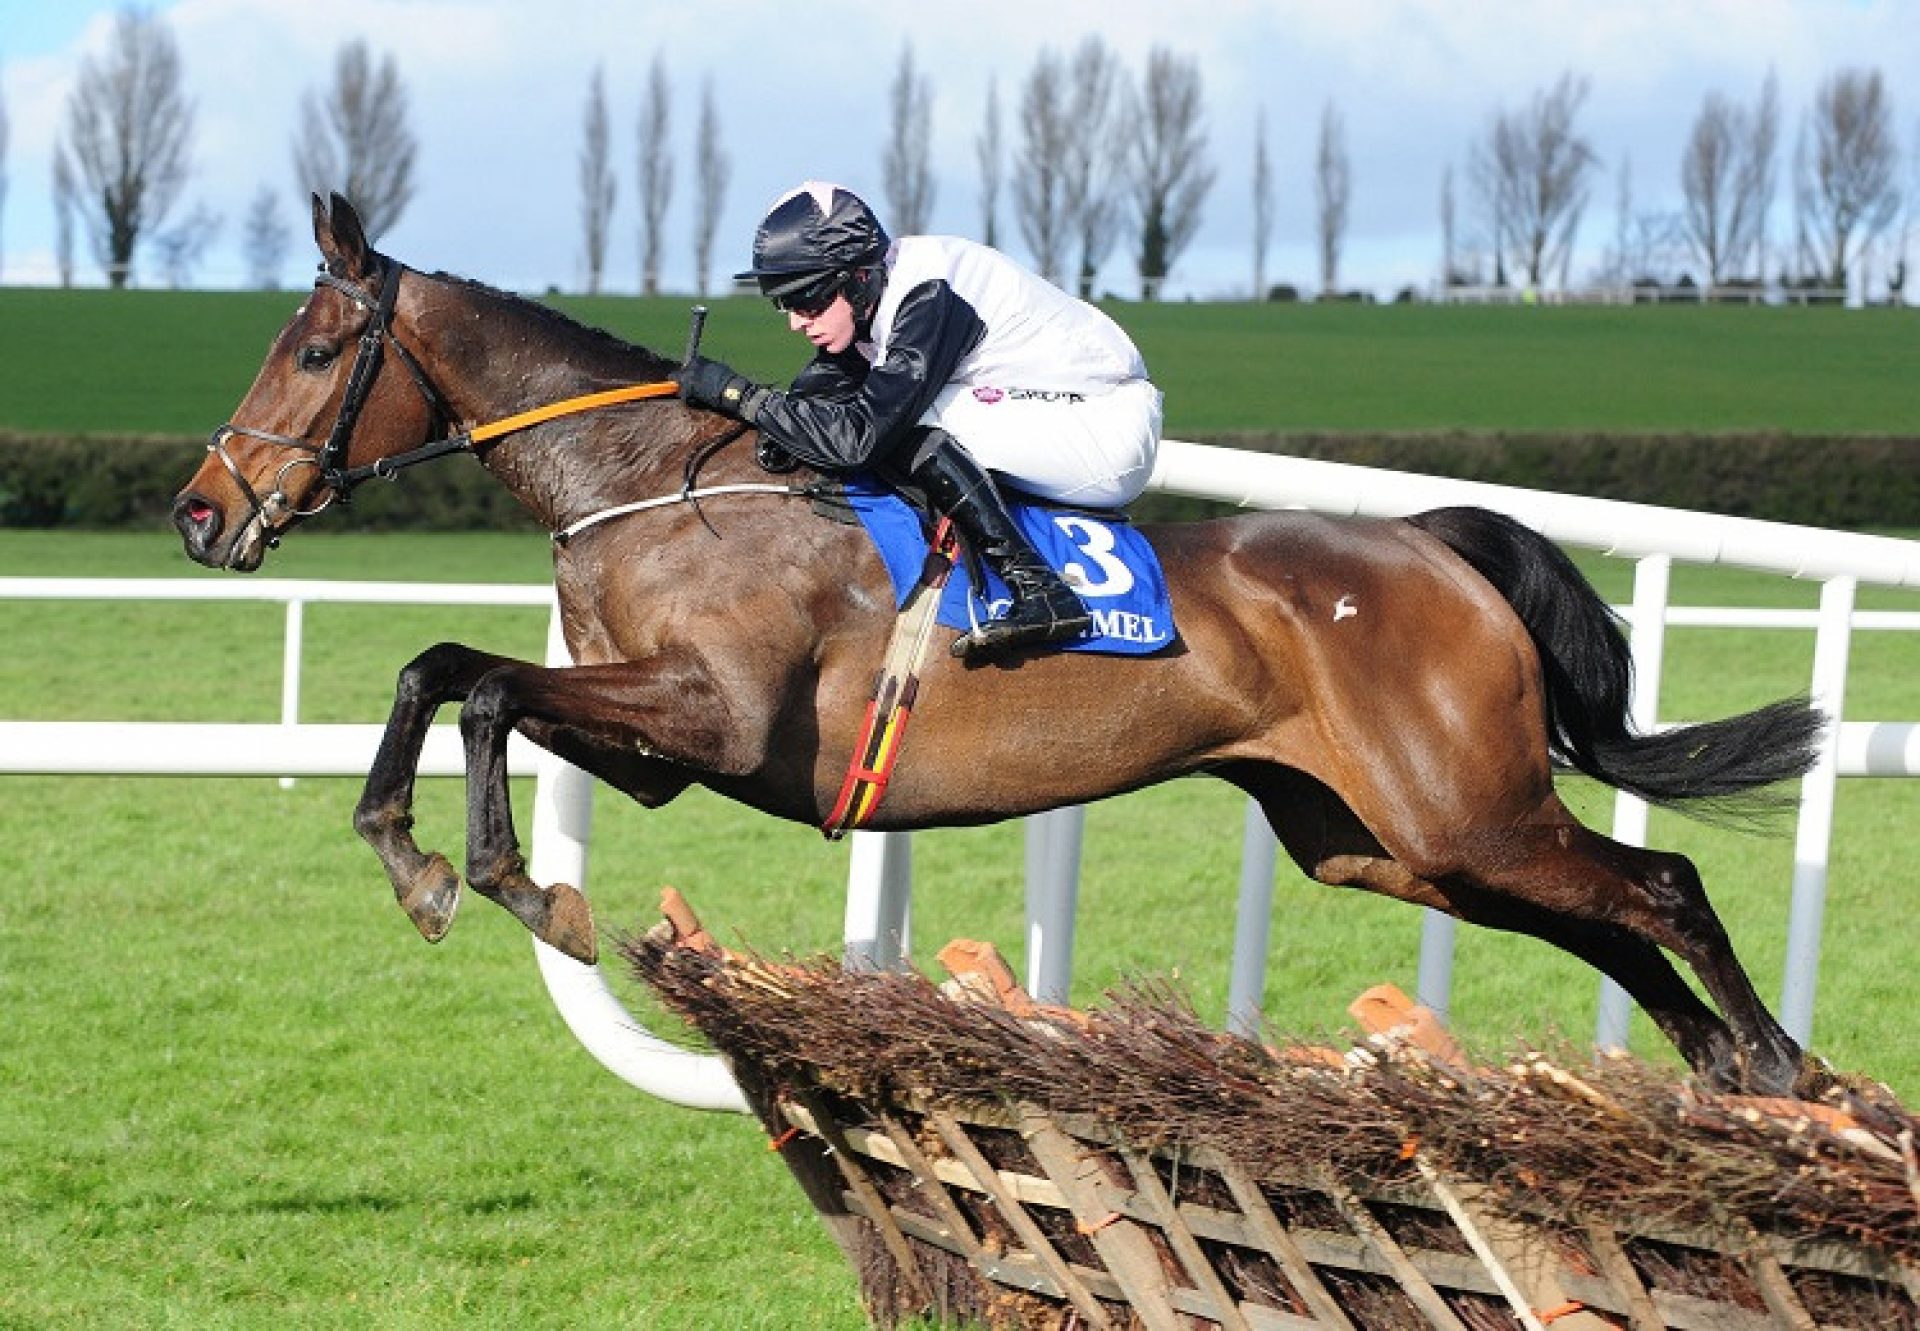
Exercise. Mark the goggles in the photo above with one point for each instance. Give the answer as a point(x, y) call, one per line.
point(811, 301)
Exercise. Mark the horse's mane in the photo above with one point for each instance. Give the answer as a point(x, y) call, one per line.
point(585, 337)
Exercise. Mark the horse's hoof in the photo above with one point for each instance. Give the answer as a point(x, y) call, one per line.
point(432, 897)
point(569, 925)
point(1817, 1077)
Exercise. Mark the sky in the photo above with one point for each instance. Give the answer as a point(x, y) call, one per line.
point(498, 90)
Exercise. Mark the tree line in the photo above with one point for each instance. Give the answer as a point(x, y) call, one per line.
point(1531, 173)
point(1096, 154)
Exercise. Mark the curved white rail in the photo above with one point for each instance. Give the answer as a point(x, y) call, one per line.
point(877, 911)
point(562, 823)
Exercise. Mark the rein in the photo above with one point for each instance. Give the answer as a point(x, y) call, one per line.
point(329, 459)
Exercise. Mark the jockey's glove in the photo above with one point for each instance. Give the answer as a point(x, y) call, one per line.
point(714, 384)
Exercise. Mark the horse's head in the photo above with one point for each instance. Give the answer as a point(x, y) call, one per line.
point(326, 408)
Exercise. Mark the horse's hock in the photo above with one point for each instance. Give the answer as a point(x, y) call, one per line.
point(983, 1160)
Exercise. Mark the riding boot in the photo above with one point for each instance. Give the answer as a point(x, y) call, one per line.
point(1044, 608)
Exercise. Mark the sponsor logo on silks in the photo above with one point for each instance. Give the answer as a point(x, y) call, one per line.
point(1128, 627)
point(1044, 395)
point(988, 394)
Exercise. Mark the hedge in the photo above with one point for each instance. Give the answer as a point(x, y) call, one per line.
point(1849, 482)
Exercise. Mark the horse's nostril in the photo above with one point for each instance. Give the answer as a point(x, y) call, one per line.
point(196, 517)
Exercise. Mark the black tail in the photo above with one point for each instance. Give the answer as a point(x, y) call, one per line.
point(1589, 674)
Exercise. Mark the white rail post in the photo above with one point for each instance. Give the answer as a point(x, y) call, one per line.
point(879, 920)
point(1253, 923)
point(1433, 989)
point(1813, 837)
point(290, 654)
point(1652, 588)
point(1053, 895)
point(562, 819)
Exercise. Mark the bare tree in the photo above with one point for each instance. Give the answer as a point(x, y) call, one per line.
point(125, 147)
point(64, 207)
point(1706, 182)
point(908, 167)
point(1748, 253)
point(1332, 188)
point(1038, 183)
point(654, 180)
point(182, 247)
point(3, 164)
point(596, 181)
point(1262, 205)
point(1170, 174)
point(1726, 180)
point(1532, 172)
point(265, 239)
point(1620, 266)
point(355, 140)
point(987, 149)
point(1450, 271)
point(712, 170)
point(1897, 278)
point(1847, 170)
point(1097, 111)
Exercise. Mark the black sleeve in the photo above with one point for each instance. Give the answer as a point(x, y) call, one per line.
point(932, 330)
point(832, 378)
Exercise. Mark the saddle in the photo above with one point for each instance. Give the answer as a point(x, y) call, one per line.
point(1099, 553)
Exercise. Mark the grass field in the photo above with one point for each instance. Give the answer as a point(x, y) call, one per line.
point(242, 1093)
point(177, 362)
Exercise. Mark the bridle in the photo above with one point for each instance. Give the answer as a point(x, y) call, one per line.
point(330, 458)
point(275, 510)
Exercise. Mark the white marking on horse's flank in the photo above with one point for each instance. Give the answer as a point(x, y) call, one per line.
point(1344, 608)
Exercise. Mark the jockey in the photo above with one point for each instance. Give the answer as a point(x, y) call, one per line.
point(945, 361)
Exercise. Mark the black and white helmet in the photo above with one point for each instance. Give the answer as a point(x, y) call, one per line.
point(812, 238)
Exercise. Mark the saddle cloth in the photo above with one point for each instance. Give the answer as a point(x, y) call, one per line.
point(1101, 557)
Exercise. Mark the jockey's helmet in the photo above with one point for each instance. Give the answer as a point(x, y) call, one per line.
point(812, 240)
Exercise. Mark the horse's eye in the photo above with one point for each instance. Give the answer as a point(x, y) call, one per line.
point(314, 356)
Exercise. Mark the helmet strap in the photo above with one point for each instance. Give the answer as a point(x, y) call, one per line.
point(863, 291)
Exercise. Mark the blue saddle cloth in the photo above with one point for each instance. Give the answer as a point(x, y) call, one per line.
point(1106, 561)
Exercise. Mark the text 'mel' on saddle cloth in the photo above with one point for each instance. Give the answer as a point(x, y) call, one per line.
point(1104, 560)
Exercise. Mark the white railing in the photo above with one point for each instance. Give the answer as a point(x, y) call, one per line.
point(879, 889)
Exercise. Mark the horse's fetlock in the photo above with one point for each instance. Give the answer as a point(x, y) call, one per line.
point(376, 821)
point(493, 874)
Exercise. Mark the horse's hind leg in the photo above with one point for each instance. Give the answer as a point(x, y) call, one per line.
point(1550, 882)
point(425, 884)
point(1664, 902)
point(1613, 904)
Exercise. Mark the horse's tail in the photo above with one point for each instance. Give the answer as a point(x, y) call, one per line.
point(1589, 672)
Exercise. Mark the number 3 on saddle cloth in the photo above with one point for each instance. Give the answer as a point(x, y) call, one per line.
point(1103, 559)
point(1109, 564)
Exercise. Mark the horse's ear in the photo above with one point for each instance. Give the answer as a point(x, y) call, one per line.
point(341, 238)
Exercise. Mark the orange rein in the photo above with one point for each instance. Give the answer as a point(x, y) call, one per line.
point(569, 406)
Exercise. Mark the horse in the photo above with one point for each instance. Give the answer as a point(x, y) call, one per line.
point(1395, 694)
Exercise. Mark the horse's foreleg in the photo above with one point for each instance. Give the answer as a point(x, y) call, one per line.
point(426, 885)
point(668, 713)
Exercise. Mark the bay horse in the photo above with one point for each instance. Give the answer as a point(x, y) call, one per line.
point(1394, 693)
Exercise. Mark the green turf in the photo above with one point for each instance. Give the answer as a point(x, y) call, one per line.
point(158, 361)
point(242, 1093)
